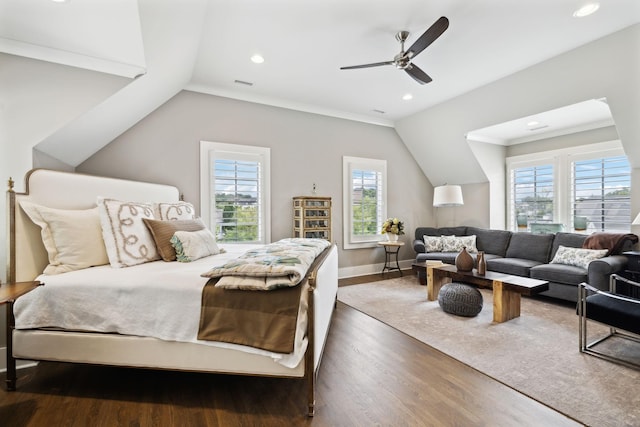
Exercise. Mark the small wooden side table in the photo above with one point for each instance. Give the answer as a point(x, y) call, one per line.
point(9, 293)
point(391, 249)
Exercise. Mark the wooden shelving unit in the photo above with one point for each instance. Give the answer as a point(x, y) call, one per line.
point(312, 217)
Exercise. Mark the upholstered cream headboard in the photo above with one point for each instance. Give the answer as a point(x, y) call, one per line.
point(63, 190)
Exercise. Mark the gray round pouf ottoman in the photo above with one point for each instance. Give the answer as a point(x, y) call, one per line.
point(460, 299)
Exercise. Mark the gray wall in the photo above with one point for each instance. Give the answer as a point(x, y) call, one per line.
point(305, 149)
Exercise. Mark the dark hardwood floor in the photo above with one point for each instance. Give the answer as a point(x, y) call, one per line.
point(371, 375)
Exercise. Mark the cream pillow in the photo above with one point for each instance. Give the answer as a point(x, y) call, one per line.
point(72, 238)
point(577, 256)
point(175, 210)
point(127, 239)
point(193, 245)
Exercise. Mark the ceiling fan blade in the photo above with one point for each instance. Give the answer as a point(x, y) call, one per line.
point(375, 64)
point(417, 74)
point(428, 37)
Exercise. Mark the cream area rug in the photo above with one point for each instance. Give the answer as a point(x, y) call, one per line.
point(536, 353)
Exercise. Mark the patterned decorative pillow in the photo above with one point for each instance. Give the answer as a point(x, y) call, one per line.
point(193, 245)
point(127, 239)
point(72, 238)
point(456, 243)
point(577, 256)
point(172, 211)
point(432, 243)
point(162, 231)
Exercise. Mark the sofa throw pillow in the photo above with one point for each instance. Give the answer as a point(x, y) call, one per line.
point(72, 238)
point(577, 256)
point(127, 239)
point(173, 211)
point(456, 243)
point(432, 243)
point(162, 231)
point(192, 245)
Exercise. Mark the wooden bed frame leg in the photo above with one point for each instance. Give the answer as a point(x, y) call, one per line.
point(310, 369)
point(11, 361)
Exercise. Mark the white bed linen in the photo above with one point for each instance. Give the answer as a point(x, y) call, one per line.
point(157, 299)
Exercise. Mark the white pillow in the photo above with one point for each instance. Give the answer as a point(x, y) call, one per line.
point(72, 238)
point(127, 239)
point(456, 243)
point(193, 245)
point(176, 210)
point(577, 256)
point(432, 243)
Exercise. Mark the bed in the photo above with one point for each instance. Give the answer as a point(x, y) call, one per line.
point(130, 343)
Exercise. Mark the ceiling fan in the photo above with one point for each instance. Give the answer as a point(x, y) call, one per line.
point(402, 60)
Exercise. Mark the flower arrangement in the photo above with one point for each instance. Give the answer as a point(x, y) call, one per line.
point(393, 226)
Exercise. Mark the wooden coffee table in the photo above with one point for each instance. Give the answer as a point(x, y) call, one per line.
point(420, 268)
point(507, 289)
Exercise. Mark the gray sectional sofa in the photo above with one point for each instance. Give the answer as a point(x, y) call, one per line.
point(528, 255)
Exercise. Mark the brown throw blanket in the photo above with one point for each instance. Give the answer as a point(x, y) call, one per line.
point(612, 241)
point(265, 320)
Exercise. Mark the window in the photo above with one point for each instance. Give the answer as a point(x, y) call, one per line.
point(365, 200)
point(601, 194)
point(235, 192)
point(533, 194)
point(581, 189)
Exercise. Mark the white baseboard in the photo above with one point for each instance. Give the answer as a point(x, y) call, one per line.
point(19, 364)
point(363, 270)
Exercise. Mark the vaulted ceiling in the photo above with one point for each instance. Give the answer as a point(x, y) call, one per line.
point(207, 45)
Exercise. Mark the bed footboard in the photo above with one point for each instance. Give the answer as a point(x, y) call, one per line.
point(323, 280)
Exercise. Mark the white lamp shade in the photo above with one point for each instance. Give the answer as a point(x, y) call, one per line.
point(447, 195)
point(637, 220)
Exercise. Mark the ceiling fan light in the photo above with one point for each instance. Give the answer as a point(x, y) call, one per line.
point(586, 10)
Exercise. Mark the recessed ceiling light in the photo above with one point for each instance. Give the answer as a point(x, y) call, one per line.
point(257, 59)
point(59, 1)
point(407, 97)
point(533, 123)
point(586, 10)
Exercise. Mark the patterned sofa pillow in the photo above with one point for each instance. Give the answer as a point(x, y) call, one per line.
point(432, 243)
point(456, 243)
point(577, 256)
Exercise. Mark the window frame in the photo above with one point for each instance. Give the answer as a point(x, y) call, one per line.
point(208, 152)
point(350, 241)
point(578, 157)
point(562, 159)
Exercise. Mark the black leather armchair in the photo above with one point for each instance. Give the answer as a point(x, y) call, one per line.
point(620, 313)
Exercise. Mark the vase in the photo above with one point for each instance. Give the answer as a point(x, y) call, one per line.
point(482, 263)
point(464, 261)
point(580, 223)
point(392, 237)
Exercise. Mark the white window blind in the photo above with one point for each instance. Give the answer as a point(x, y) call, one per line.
point(366, 199)
point(601, 194)
point(533, 194)
point(237, 194)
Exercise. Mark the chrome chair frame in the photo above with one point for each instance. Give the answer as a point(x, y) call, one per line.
point(584, 290)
